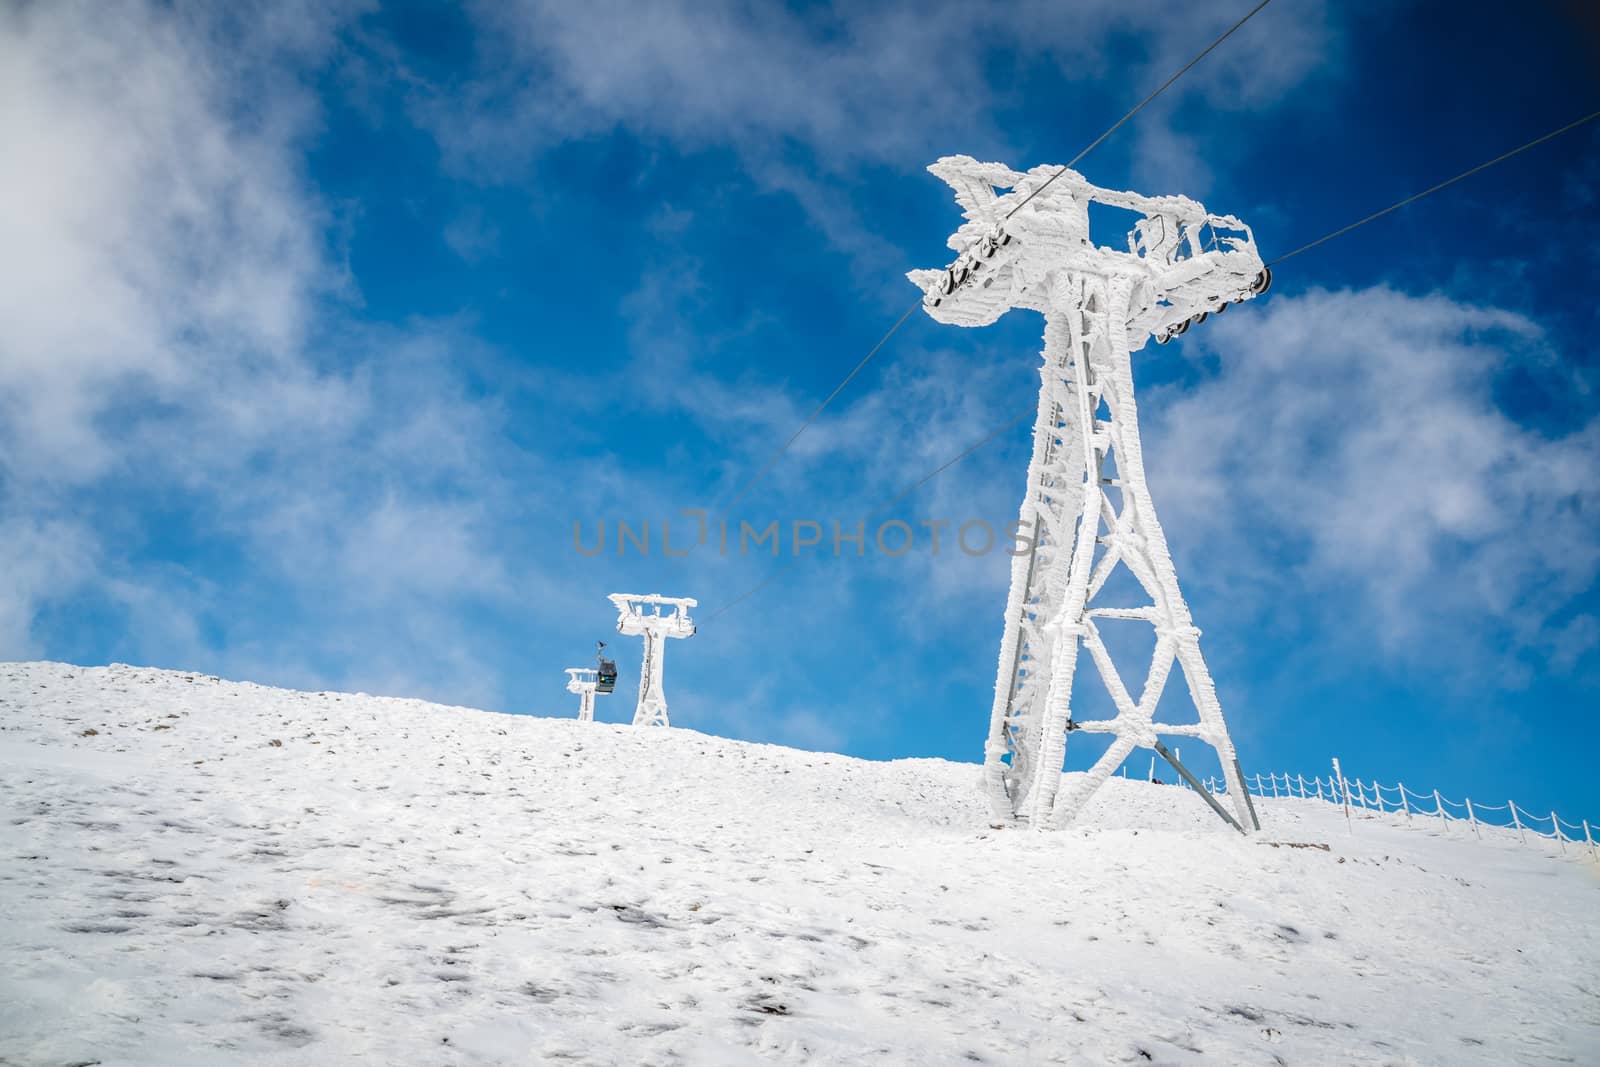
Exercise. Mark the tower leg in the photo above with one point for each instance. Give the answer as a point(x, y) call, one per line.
point(1112, 531)
point(652, 707)
point(1050, 506)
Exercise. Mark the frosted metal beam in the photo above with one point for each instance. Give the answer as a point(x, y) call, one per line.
point(1086, 502)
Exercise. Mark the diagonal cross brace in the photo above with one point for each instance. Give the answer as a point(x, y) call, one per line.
point(1196, 786)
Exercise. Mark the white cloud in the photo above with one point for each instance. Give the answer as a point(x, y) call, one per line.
point(850, 86)
point(1335, 468)
point(924, 406)
point(852, 82)
point(38, 558)
point(175, 344)
point(702, 73)
point(1351, 440)
point(471, 236)
point(1166, 159)
point(152, 238)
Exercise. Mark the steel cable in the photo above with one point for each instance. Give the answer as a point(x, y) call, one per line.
point(1428, 192)
point(1303, 248)
point(848, 378)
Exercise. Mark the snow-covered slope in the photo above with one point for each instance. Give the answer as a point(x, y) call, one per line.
point(198, 871)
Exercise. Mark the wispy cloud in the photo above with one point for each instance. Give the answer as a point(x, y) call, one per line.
point(179, 342)
point(847, 86)
point(1352, 439)
point(153, 239)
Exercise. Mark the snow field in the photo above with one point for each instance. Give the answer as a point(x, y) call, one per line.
point(224, 873)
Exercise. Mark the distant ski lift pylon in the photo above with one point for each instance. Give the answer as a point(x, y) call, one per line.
point(635, 620)
point(583, 681)
point(1026, 244)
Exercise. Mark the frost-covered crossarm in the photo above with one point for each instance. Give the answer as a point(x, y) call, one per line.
point(1183, 263)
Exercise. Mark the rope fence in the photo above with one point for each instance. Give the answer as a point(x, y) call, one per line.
point(1371, 797)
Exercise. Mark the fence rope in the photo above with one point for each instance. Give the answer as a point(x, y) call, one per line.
point(1336, 792)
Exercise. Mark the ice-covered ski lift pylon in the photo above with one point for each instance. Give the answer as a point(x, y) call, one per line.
point(1100, 305)
point(635, 620)
point(585, 682)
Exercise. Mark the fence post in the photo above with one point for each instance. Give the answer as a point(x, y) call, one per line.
point(1273, 781)
point(1588, 838)
point(1555, 824)
point(1512, 804)
point(1339, 776)
point(1319, 788)
point(1302, 784)
point(1405, 807)
point(1152, 768)
point(1473, 819)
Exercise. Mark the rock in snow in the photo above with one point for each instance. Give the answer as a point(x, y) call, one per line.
point(195, 871)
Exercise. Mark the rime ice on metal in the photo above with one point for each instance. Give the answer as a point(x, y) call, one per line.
point(1086, 497)
point(634, 619)
point(583, 681)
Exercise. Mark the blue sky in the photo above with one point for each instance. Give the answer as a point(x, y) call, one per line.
point(323, 326)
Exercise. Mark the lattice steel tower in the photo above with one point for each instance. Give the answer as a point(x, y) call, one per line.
point(655, 628)
point(1086, 500)
point(583, 681)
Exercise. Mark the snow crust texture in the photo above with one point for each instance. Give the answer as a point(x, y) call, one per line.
point(195, 871)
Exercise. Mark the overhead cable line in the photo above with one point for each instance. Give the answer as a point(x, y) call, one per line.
point(848, 378)
point(1426, 192)
point(1003, 427)
point(1139, 107)
point(891, 502)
